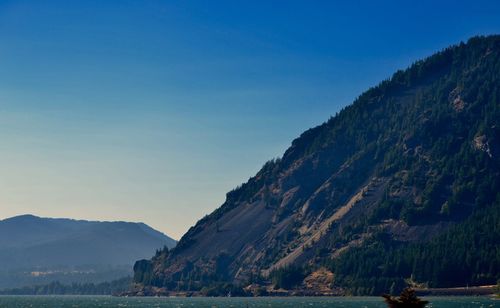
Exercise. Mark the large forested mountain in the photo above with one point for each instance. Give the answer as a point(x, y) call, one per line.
point(401, 187)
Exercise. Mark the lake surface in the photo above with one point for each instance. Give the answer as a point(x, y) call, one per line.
point(347, 302)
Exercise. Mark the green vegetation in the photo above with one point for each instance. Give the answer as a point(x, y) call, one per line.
point(57, 288)
point(467, 254)
point(288, 277)
point(222, 289)
point(407, 299)
point(445, 177)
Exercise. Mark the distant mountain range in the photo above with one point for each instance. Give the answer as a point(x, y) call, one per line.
point(401, 187)
point(36, 250)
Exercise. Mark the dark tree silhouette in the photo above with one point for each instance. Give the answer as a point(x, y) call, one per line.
point(407, 299)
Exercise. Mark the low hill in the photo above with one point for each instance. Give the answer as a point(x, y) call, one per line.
point(35, 249)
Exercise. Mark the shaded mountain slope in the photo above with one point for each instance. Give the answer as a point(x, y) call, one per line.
point(413, 161)
point(47, 245)
point(27, 241)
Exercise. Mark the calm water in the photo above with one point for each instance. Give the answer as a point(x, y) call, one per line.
point(104, 301)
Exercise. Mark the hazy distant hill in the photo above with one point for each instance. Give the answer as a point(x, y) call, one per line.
point(42, 249)
point(402, 186)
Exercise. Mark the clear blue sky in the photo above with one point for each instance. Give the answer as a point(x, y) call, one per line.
point(152, 110)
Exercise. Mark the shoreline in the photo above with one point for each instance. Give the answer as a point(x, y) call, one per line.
point(458, 291)
point(492, 296)
point(486, 290)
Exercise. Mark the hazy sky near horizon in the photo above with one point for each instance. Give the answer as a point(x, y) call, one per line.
point(152, 110)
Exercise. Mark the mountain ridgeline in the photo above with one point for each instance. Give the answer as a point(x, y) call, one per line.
point(401, 187)
point(36, 250)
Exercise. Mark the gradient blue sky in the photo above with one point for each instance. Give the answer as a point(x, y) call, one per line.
point(152, 110)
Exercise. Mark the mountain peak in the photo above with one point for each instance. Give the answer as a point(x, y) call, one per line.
point(23, 217)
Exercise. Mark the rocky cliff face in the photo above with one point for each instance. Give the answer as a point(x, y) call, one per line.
point(408, 161)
